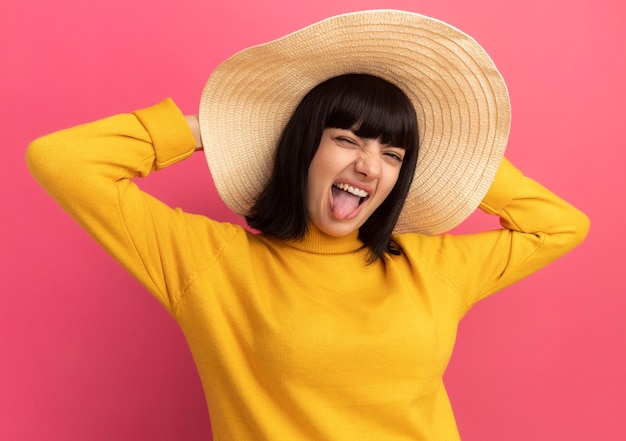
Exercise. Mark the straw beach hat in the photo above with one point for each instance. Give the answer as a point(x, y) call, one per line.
point(460, 98)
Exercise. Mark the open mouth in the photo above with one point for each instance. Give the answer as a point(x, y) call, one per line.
point(347, 200)
point(358, 192)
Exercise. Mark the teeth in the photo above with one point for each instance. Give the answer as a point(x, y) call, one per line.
point(350, 189)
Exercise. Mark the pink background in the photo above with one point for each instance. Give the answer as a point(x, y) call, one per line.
point(86, 354)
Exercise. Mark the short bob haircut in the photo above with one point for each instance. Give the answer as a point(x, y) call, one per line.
point(372, 108)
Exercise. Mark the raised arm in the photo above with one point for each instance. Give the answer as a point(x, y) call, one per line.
point(538, 227)
point(89, 171)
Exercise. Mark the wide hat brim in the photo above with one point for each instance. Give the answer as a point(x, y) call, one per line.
point(460, 98)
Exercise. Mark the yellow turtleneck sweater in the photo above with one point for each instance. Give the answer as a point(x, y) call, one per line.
point(299, 340)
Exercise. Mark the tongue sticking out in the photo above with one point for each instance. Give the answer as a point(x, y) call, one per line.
point(344, 203)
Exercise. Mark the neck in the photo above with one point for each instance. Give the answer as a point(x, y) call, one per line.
point(318, 242)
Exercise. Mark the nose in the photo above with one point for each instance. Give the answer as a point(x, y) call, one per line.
point(368, 164)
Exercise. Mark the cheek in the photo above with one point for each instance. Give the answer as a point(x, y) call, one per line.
point(315, 191)
point(321, 170)
point(392, 179)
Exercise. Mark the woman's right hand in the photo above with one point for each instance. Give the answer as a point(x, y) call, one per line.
point(194, 126)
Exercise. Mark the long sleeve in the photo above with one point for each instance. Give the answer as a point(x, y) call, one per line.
point(538, 228)
point(89, 171)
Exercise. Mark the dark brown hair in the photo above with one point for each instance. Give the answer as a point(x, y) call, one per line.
point(378, 109)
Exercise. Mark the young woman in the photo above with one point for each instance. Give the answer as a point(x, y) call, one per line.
point(338, 319)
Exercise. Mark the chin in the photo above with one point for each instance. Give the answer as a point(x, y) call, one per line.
point(338, 228)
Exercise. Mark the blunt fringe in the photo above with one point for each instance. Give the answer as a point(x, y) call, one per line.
point(377, 109)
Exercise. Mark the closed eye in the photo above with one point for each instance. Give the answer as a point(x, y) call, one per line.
point(346, 140)
point(395, 156)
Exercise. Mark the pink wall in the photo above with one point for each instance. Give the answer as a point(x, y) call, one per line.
point(85, 353)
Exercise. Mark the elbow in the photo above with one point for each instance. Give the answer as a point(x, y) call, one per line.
point(579, 225)
point(44, 162)
point(51, 167)
point(36, 158)
point(572, 232)
point(583, 225)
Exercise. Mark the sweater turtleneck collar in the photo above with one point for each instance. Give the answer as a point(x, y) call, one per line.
point(317, 242)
